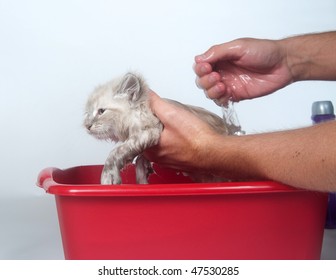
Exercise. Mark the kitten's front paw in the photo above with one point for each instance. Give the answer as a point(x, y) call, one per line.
point(108, 178)
point(143, 169)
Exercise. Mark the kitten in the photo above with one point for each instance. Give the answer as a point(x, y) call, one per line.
point(119, 111)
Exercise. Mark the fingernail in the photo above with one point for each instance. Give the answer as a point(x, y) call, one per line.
point(201, 57)
point(204, 69)
point(218, 88)
point(198, 58)
point(213, 78)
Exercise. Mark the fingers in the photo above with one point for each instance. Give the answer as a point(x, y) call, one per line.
point(218, 91)
point(208, 78)
point(209, 81)
point(202, 68)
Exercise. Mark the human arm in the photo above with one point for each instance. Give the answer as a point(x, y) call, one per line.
point(303, 158)
point(249, 68)
point(300, 158)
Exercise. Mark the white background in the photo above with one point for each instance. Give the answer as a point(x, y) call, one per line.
point(53, 53)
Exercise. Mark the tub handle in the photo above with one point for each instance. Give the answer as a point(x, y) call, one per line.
point(45, 178)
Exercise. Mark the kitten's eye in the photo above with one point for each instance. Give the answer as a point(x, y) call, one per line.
point(101, 111)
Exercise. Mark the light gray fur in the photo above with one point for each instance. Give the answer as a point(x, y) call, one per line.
point(119, 111)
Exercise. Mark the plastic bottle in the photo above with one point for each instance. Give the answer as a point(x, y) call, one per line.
point(323, 111)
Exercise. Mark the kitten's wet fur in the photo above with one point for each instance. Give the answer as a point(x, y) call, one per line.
point(119, 111)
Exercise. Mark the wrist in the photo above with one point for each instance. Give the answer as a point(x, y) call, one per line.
point(295, 58)
point(311, 56)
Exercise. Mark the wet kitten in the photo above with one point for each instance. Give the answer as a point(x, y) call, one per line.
point(119, 111)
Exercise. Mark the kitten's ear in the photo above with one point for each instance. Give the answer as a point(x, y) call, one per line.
point(132, 85)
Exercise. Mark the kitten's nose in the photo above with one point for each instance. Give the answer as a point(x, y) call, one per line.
point(88, 127)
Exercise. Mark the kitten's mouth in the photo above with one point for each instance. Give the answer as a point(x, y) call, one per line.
point(100, 136)
point(103, 136)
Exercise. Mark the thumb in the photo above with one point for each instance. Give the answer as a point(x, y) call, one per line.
point(170, 113)
point(226, 51)
point(160, 108)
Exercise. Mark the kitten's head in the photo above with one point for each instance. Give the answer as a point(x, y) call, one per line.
point(110, 106)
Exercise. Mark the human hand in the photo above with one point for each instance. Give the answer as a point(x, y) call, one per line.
point(242, 69)
point(184, 140)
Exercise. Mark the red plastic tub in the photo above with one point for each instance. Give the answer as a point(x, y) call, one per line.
point(173, 218)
